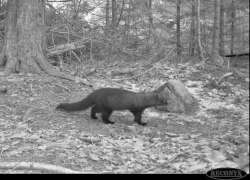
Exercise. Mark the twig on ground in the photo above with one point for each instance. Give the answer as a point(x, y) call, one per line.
point(90, 140)
point(224, 77)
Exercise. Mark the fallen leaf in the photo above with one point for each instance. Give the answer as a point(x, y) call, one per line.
point(94, 157)
point(215, 156)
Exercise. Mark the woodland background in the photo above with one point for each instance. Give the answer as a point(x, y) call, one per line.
point(59, 51)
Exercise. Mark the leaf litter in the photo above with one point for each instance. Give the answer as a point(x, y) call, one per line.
point(217, 136)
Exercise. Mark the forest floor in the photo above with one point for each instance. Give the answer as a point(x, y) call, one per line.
point(215, 136)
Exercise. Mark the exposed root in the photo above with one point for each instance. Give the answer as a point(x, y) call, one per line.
point(37, 166)
point(43, 167)
point(48, 69)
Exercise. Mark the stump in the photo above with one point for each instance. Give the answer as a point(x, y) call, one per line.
point(177, 97)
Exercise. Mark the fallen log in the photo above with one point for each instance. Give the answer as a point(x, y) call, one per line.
point(59, 49)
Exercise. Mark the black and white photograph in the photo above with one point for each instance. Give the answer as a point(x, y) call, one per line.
point(125, 87)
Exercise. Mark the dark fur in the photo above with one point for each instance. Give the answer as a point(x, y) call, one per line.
point(106, 100)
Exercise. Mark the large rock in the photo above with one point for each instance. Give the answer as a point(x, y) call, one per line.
point(177, 97)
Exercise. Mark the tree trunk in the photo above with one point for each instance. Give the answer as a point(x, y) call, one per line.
point(128, 21)
point(114, 14)
point(178, 30)
point(150, 17)
point(232, 27)
point(198, 30)
point(192, 31)
point(243, 39)
point(121, 13)
point(44, 40)
point(107, 14)
point(23, 51)
point(216, 26)
point(76, 7)
point(205, 32)
point(222, 40)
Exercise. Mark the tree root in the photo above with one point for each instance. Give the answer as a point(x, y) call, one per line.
point(38, 166)
point(44, 167)
point(39, 65)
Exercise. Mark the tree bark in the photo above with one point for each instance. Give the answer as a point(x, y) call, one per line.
point(232, 27)
point(128, 21)
point(192, 31)
point(107, 14)
point(150, 16)
point(23, 47)
point(114, 14)
point(222, 40)
point(178, 29)
point(198, 30)
point(121, 13)
point(216, 26)
point(148, 4)
point(44, 40)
